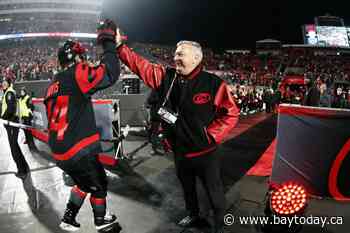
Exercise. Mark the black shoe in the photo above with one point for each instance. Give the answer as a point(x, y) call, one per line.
point(68, 222)
point(156, 152)
point(107, 220)
point(193, 221)
point(112, 228)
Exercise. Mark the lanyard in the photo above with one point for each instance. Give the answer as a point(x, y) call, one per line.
point(169, 91)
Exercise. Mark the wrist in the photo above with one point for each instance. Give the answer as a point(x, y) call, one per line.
point(118, 44)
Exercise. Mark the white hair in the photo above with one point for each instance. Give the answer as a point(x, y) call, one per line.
point(196, 47)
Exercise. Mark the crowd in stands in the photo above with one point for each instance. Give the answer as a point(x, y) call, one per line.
point(34, 61)
point(242, 68)
point(255, 78)
point(328, 74)
point(27, 63)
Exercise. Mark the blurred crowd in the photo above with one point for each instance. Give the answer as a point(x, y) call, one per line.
point(27, 63)
point(33, 61)
point(255, 79)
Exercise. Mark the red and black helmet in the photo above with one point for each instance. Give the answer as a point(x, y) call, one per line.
point(67, 53)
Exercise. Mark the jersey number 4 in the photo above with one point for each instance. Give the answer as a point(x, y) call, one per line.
point(58, 119)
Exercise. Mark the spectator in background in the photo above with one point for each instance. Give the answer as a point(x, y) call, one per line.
point(312, 96)
point(337, 101)
point(344, 100)
point(325, 96)
point(267, 98)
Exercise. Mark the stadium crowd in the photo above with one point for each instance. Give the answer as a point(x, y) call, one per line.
point(27, 63)
point(254, 78)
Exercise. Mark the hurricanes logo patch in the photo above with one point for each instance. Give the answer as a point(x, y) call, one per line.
point(201, 98)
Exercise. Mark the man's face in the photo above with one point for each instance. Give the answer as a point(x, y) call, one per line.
point(339, 91)
point(185, 61)
point(5, 85)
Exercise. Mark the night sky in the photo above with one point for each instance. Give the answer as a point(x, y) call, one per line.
point(219, 23)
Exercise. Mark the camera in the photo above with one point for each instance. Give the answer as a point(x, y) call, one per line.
point(167, 115)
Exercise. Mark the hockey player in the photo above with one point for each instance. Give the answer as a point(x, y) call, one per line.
point(73, 136)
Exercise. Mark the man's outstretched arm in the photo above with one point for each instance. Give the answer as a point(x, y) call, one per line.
point(151, 74)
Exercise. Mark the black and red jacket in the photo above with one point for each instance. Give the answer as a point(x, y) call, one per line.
point(71, 120)
point(207, 111)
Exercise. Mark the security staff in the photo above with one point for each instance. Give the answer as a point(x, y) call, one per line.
point(26, 115)
point(9, 112)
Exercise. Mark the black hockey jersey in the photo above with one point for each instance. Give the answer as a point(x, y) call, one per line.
point(71, 120)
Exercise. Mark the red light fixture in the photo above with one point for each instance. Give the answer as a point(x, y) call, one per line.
point(288, 199)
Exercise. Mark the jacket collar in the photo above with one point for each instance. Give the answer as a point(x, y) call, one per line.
point(194, 72)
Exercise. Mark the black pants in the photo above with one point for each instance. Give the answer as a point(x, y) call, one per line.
point(268, 107)
point(17, 155)
point(153, 135)
point(88, 174)
point(28, 134)
point(207, 169)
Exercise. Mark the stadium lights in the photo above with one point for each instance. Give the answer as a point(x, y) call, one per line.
point(287, 200)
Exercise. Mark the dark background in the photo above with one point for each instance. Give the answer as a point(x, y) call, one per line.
point(219, 23)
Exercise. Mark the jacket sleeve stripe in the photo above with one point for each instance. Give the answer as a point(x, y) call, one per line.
point(151, 74)
point(89, 77)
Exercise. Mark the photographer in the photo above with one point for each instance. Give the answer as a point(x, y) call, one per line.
point(197, 112)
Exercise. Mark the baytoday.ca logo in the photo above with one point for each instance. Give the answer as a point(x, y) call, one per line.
point(307, 220)
point(230, 219)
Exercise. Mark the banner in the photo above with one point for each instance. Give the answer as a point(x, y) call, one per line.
point(312, 149)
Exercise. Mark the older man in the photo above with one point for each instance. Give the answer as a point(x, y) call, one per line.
point(197, 112)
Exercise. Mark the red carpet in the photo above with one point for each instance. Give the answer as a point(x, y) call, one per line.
point(263, 166)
